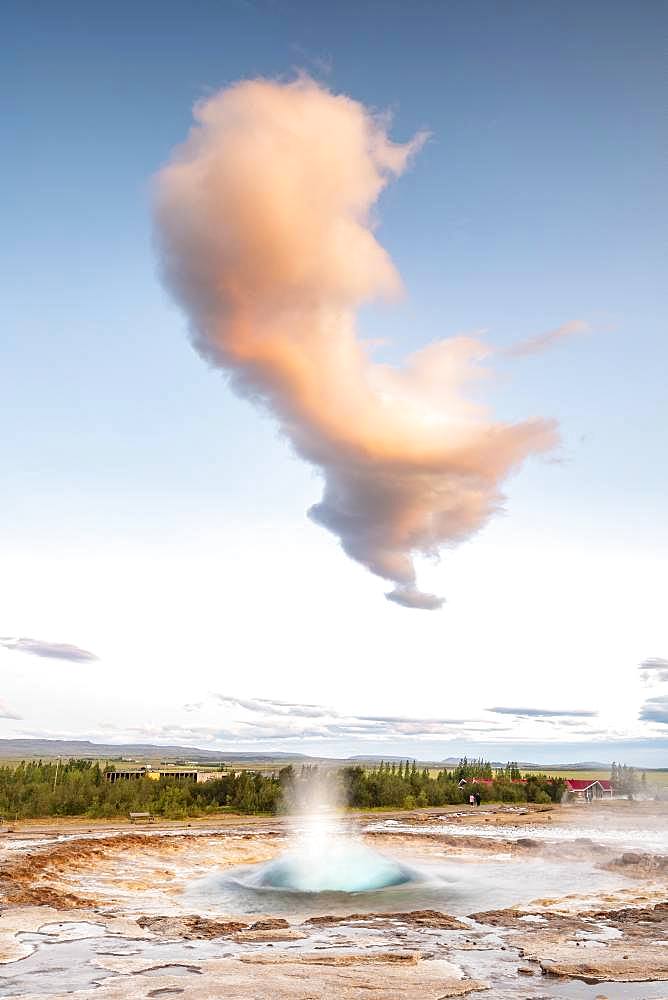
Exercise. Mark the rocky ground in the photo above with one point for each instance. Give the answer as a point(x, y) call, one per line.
point(104, 914)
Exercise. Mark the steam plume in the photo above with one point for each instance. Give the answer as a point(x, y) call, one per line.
point(265, 231)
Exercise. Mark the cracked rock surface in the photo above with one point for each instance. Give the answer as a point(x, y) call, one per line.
point(107, 917)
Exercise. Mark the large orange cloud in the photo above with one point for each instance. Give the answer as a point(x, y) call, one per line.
point(265, 233)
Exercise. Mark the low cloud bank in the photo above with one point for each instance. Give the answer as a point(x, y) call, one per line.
point(655, 710)
point(273, 719)
point(654, 668)
point(268, 706)
point(49, 650)
point(545, 713)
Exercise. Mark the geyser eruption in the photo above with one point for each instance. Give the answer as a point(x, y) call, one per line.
point(265, 229)
point(326, 856)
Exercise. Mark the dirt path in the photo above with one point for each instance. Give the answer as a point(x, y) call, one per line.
point(497, 814)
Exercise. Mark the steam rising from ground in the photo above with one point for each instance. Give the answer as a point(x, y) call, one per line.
point(265, 229)
point(326, 855)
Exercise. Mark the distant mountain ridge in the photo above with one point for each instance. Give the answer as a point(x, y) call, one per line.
point(85, 748)
point(17, 748)
point(584, 765)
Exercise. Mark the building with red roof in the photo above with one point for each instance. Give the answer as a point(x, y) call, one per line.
point(586, 788)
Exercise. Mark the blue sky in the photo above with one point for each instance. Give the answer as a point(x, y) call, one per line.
point(147, 512)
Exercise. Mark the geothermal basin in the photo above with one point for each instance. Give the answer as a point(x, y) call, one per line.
point(505, 902)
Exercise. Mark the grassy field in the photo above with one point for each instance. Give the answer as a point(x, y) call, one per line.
point(654, 777)
point(588, 775)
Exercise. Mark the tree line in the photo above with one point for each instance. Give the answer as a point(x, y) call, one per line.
point(406, 786)
point(79, 788)
point(35, 789)
point(625, 780)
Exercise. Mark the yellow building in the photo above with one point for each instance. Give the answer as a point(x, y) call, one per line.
point(155, 774)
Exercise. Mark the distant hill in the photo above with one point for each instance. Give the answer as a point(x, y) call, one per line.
point(525, 765)
point(16, 749)
point(584, 765)
point(84, 748)
point(454, 761)
point(376, 759)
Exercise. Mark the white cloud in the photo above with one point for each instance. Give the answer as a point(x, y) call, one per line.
point(269, 706)
point(655, 710)
point(654, 669)
point(6, 712)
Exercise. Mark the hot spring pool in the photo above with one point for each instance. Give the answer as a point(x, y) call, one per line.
point(356, 877)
